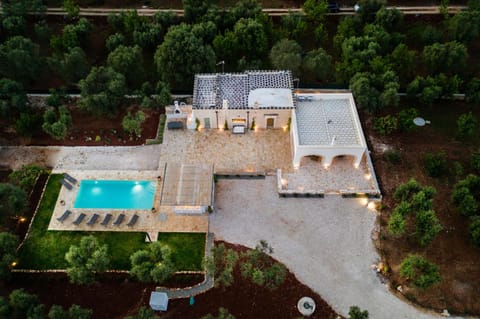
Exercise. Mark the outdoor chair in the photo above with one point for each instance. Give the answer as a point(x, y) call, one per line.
point(106, 220)
point(69, 178)
point(133, 220)
point(64, 216)
point(93, 219)
point(66, 184)
point(119, 219)
point(79, 219)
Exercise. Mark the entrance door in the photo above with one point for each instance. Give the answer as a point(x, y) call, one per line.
point(206, 122)
point(270, 122)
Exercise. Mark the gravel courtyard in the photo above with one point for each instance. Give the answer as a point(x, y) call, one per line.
point(325, 242)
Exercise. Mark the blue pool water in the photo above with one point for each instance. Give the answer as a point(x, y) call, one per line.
point(115, 194)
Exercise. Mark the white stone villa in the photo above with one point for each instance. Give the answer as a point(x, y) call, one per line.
point(321, 124)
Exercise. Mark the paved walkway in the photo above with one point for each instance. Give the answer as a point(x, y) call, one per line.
point(325, 242)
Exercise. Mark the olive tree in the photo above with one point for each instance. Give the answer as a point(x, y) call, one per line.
point(86, 260)
point(19, 59)
point(182, 55)
point(128, 61)
point(449, 58)
point(8, 253)
point(132, 123)
point(13, 200)
point(102, 91)
point(74, 312)
point(421, 272)
point(286, 55)
point(153, 264)
point(319, 63)
point(55, 125)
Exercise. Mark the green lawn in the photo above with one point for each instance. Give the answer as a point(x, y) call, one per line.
point(45, 249)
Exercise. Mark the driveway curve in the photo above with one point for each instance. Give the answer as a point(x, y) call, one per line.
point(326, 243)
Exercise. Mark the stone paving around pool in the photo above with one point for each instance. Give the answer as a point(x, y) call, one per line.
point(265, 151)
point(160, 219)
point(254, 151)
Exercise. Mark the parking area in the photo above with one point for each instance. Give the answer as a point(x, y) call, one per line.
point(326, 242)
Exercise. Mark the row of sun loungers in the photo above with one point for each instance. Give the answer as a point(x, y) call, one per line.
point(94, 218)
point(68, 181)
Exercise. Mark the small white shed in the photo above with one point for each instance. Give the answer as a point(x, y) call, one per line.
point(159, 301)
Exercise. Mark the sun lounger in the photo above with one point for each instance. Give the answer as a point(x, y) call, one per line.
point(79, 219)
point(106, 220)
point(93, 219)
point(119, 219)
point(133, 220)
point(69, 178)
point(66, 184)
point(64, 216)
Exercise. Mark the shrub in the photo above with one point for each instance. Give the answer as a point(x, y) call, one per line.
point(27, 124)
point(436, 164)
point(428, 226)
point(356, 313)
point(132, 124)
point(261, 269)
point(463, 195)
point(385, 125)
point(392, 156)
point(405, 119)
point(222, 314)
point(396, 224)
point(26, 176)
point(475, 161)
point(221, 264)
point(467, 126)
point(474, 229)
point(8, 253)
point(420, 271)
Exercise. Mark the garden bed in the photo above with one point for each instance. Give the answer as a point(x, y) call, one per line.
point(452, 250)
point(88, 130)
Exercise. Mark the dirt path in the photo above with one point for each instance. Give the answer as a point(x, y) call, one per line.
point(270, 11)
point(325, 242)
point(86, 158)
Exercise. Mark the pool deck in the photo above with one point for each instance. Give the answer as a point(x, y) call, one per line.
point(159, 219)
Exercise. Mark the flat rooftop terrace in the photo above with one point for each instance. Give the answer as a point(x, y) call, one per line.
point(328, 120)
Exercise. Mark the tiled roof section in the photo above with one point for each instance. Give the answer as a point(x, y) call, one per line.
point(326, 122)
point(269, 79)
point(210, 90)
point(233, 88)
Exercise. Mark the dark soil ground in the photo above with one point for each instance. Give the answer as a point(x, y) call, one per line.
point(452, 250)
point(88, 130)
point(115, 296)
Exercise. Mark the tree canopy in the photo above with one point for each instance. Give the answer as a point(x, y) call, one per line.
point(8, 253)
point(128, 61)
point(286, 55)
point(85, 260)
point(19, 59)
point(182, 55)
point(153, 264)
point(102, 91)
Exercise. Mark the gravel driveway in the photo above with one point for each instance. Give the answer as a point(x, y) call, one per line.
point(325, 242)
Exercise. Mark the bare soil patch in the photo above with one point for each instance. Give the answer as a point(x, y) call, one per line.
point(88, 130)
point(116, 296)
point(452, 250)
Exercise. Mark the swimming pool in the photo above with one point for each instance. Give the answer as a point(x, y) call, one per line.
point(115, 194)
